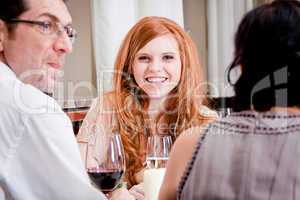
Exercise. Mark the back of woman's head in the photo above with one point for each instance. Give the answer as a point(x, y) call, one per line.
point(267, 48)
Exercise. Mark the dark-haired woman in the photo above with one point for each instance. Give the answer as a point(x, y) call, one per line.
point(255, 152)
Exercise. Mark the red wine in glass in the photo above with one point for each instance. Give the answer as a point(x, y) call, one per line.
point(105, 180)
point(107, 165)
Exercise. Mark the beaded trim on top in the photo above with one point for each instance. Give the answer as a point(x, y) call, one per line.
point(235, 128)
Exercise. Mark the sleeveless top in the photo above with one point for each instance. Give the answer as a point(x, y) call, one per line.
point(247, 155)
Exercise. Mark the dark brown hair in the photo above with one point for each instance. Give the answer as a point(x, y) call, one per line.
point(267, 48)
point(11, 9)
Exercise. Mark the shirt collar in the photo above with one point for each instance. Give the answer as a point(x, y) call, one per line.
point(5, 71)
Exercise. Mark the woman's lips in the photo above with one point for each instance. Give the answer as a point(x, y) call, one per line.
point(156, 79)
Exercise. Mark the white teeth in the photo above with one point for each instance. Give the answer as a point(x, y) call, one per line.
point(156, 79)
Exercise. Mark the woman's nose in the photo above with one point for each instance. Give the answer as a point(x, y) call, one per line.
point(155, 65)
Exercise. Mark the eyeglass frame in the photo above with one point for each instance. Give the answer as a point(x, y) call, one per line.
point(68, 29)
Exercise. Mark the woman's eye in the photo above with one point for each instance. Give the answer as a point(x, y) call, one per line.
point(144, 58)
point(168, 57)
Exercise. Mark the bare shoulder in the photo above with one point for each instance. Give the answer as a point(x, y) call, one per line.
point(188, 137)
point(106, 100)
point(100, 114)
point(109, 97)
point(207, 112)
point(184, 147)
point(99, 121)
point(181, 154)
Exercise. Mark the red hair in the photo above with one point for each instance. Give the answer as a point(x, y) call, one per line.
point(181, 109)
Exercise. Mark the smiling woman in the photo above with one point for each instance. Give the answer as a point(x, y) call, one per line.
point(157, 67)
point(157, 90)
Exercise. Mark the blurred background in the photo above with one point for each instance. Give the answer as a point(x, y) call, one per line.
point(102, 24)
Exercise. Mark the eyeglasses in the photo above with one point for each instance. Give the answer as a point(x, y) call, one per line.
point(49, 27)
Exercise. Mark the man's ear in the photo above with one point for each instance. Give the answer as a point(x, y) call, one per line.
point(2, 34)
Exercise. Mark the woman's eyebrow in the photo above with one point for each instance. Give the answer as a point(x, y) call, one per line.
point(141, 54)
point(169, 52)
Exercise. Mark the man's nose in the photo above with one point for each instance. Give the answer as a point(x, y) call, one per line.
point(63, 44)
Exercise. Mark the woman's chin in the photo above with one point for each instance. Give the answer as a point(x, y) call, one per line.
point(156, 96)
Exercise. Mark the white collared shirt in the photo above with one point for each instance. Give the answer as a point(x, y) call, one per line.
point(39, 156)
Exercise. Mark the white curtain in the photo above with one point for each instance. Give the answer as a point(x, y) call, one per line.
point(112, 19)
point(223, 17)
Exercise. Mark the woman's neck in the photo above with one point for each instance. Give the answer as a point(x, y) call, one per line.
point(155, 106)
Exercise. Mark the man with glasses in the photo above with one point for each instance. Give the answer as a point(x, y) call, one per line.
point(39, 157)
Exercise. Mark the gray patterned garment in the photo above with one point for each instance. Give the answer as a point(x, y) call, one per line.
point(246, 156)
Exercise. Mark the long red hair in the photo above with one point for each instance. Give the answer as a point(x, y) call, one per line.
point(181, 109)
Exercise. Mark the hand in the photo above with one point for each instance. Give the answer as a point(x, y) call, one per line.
point(121, 194)
point(138, 191)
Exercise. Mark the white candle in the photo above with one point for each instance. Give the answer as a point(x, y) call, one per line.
point(153, 179)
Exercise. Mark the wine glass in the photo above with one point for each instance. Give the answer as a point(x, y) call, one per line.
point(158, 150)
point(107, 165)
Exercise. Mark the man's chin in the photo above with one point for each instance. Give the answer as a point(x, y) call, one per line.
point(40, 79)
point(46, 90)
point(45, 87)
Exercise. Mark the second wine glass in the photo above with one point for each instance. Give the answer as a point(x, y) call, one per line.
point(158, 149)
point(108, 162)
